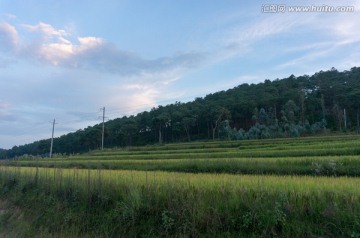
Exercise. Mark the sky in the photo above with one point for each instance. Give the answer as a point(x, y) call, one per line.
point(65, 60)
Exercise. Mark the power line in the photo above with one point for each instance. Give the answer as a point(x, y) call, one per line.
point(88, 116)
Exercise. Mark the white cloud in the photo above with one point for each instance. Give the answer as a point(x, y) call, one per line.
point(142, 92)
point(47, 31)
point(310, 46)
point(288, 35)
point(89, 42)
point(335, 33)
point(9, 38)
point(59, 47)
point(10, 16)
point(269, 25)
point(61, 53)
point(346, 29)
point(56, 46)
point(130, 99)
point(306, 59)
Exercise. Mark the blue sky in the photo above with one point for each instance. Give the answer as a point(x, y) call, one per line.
point(67, 59)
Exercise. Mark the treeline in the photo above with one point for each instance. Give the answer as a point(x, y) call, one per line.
point(289, 107)
point(3, 153)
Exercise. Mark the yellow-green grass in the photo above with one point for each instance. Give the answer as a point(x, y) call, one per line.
point(233, 144)
point(102, 203)
point(313, 165)
point(268, 182)
point(226, 146)
point(333, 149)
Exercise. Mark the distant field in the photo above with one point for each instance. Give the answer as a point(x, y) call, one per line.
point(303, 187)
point(332, 156)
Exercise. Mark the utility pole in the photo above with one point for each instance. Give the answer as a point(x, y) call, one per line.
point(52, 139)
point(103, 129)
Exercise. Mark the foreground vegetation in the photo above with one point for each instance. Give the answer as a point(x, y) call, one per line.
point(299, 187)
point(133, 204)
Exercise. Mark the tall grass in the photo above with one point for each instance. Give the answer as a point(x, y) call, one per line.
point(138, 203)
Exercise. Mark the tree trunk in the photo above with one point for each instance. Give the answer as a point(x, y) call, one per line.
point(130, 139)
point(213, 132)
point(358, 122)
point(216, 125)
point(198, 129)
point(302, 104)
point(323, 106)
point(345, 124)
point(187, 133)
point(323, 110)
point(160, 136)
point(208, 129)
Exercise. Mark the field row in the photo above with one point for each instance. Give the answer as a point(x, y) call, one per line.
point(244, 143)
point(183, 148)
point(326, 165)
point(303, 184)
point(332, 148)
point(329, 156)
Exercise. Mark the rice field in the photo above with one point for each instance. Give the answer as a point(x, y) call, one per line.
point(329, 156)
point(304, 187)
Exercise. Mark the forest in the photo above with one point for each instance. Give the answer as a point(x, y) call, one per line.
point(326, 102)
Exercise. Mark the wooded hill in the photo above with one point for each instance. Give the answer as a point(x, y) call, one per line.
point(324, 102)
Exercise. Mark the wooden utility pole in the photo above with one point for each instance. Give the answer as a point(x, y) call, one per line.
point(103, 129)
point(52, 139)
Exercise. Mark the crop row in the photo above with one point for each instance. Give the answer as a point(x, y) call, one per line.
point(256, 148)
point(270, 153)
point(327, 165)
point(238, 144)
